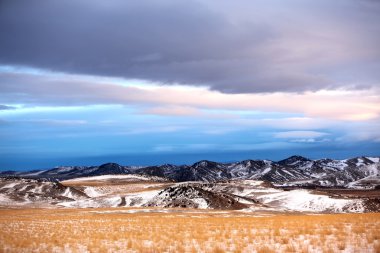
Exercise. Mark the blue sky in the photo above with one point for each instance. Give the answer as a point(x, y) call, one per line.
point(136, 133)
point(139, 83)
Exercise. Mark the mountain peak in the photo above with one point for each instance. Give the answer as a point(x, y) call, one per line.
point(204, 163)
point(110, 168)
point(294, 160)
point(110, 165)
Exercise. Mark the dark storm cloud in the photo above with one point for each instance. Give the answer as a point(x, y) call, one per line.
point(252, 46)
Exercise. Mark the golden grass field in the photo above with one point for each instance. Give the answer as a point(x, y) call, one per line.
point(116, 230)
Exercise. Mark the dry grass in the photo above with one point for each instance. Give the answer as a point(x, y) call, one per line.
point(87, 230)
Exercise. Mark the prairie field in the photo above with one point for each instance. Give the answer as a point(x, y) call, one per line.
point(179, 230)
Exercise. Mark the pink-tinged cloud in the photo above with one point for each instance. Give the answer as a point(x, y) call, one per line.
point(172, 111)
point(71, 90)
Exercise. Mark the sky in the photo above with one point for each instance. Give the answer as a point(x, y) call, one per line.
point(85, 82)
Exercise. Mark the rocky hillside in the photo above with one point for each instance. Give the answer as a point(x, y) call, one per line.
point(195, 196)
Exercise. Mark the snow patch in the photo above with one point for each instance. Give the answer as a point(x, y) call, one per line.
point(202, 203)
point(266, 170)
point(106, 177)
point(92, 192)
point(374, 159)
point(303, 200)
point(93, 203)
point(10, 185)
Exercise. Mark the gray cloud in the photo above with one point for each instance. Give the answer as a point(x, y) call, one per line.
point(250, 46)
point(6, 107)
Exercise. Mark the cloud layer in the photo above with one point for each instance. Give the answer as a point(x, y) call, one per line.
point(51, 89)
point(244, 47)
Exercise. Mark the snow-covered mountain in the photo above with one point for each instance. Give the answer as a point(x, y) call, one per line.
point(68, 172)
point(206, 171)
point(333, 173)
point(295, 171)
point(153, 193)
point(292, 184)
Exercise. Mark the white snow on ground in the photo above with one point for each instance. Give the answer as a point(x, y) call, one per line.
point(106, 177)
point(303, 200)
point(372, 170)
point(202, 204)
point(93, 202)
point(145, 210)
point(140, 198)
point(266, 170)
point(68, 193)
point(10, 185)
point(37, 189)
point(4, 199)
point(365, 183)
point(251, 188)
point(360, 162)
point(339, 164)
point(296, 182)
point(132, 199)
point(374, 159)
point(35, 173)
point(307, 166)
point(65, 169)
point(294, 200)
point(251, 182)
point(92, 192)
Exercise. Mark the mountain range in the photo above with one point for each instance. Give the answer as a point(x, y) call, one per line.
point(295, 171)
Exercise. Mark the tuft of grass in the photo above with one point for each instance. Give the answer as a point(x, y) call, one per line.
point(265, 249)
point(217, 249)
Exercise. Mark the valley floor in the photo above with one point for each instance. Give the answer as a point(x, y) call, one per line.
point(184, 230)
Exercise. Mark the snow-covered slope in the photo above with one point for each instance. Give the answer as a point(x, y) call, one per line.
point(304, 200)
point(124, 178)
point(195, 196)
point(336, 173)
point(68, 172)
point(295, 170)
point(29, 191)
point(139, 191)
